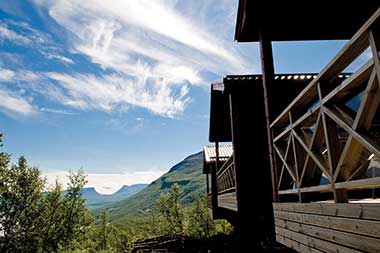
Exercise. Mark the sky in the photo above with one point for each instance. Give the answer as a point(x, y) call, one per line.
point(120, 88)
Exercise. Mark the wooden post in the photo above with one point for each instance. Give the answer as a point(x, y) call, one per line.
point(207, 183)
point(267, 68)
point(251, 163)
point(214, 188)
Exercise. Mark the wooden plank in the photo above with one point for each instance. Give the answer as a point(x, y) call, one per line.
point(310, 170)
point(368, 106)
point(362, 184)
point(367, 183)
point(363, 120)
point(313, 242)
point(351, 83)
point(317, 158)
point(228, 201)
point(345, 57)
point(282, 134)
point(358, 226)
point(369, 211)
point(319, 188)
point(358, 242)
point(363, 138)
point(374, 41)
point(332, 141)
point(289, 191)
point(296, 245)
point(288, 167)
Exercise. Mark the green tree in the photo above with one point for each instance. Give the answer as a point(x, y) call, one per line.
point(198, 223)
point(52, 233)
point(76, 218)
point(171, 211)
point(20, 206)
point(103, 230)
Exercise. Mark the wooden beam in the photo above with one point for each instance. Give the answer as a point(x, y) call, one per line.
point(288, 167)
point(358, 242)
point(267, 68)
point(359, 184)
point(316, 157)
point(369, 211)
point(309, 169)
point(295, 245)
point(349, 84)
point(363, 138)
point(314, 243)
point(357, 226)
point(374, 42)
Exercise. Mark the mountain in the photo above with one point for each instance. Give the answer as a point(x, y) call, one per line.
point(96, 200)
point(187, 174)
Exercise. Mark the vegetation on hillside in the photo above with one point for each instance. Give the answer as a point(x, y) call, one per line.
point(35, 220)
point(187, 174)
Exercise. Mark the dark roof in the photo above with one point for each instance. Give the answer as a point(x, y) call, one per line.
point(283, 90)
point(301, 19)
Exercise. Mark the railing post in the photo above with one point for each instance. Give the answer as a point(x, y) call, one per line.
point(214, 187)
point(267, 68)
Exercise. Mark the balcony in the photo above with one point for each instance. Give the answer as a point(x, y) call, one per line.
point(327, 152)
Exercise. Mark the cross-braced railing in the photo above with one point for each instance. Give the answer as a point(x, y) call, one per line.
point(328, 138)
point(226, 177)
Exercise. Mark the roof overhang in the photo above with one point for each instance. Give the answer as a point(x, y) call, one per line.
point(301, 20)
point(284, 87)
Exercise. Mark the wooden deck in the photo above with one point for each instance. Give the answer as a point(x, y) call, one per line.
point(328, 227)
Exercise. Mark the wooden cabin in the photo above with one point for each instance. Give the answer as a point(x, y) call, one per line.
point(305, 163)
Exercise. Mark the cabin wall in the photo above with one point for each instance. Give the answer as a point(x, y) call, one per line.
point(328, 227)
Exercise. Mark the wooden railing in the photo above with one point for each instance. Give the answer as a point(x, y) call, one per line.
point(226, 177)
point(320, 135)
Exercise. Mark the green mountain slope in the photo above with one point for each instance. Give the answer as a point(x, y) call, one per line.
point(188, 174)
point(97, 200)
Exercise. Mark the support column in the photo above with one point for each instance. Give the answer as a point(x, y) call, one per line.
point(214, 188)
point(267, 68)
point(251, 160)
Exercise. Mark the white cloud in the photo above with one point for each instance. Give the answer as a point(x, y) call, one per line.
point(6, 75)
point(117, 92)
point(23, 34)
point(11, 103)
point(118, 33)
point(7, 34)
point(59, 57)
point(107, 183)
point(57, 111)
point(151, 51)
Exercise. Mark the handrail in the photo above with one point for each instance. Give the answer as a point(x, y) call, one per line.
point(226, 177)
point(327, 140)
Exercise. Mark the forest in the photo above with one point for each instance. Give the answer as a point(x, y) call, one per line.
point(39, 218)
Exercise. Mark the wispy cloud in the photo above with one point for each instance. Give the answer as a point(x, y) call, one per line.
point(7, 34)
point(22, 34)
point(57, 111)
point(59, 57)
point(107, 183)
point(6, 75)
point(148, 53)
point(12, 103)
point(117, 92)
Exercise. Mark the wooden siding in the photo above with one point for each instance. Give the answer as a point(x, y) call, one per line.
point(328, 227)
point(228, 201)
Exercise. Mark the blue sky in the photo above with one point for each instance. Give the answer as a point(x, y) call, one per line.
point(121, 87)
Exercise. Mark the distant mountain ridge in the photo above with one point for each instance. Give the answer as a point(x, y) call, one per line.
point(97, 200)
point(187, 174)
